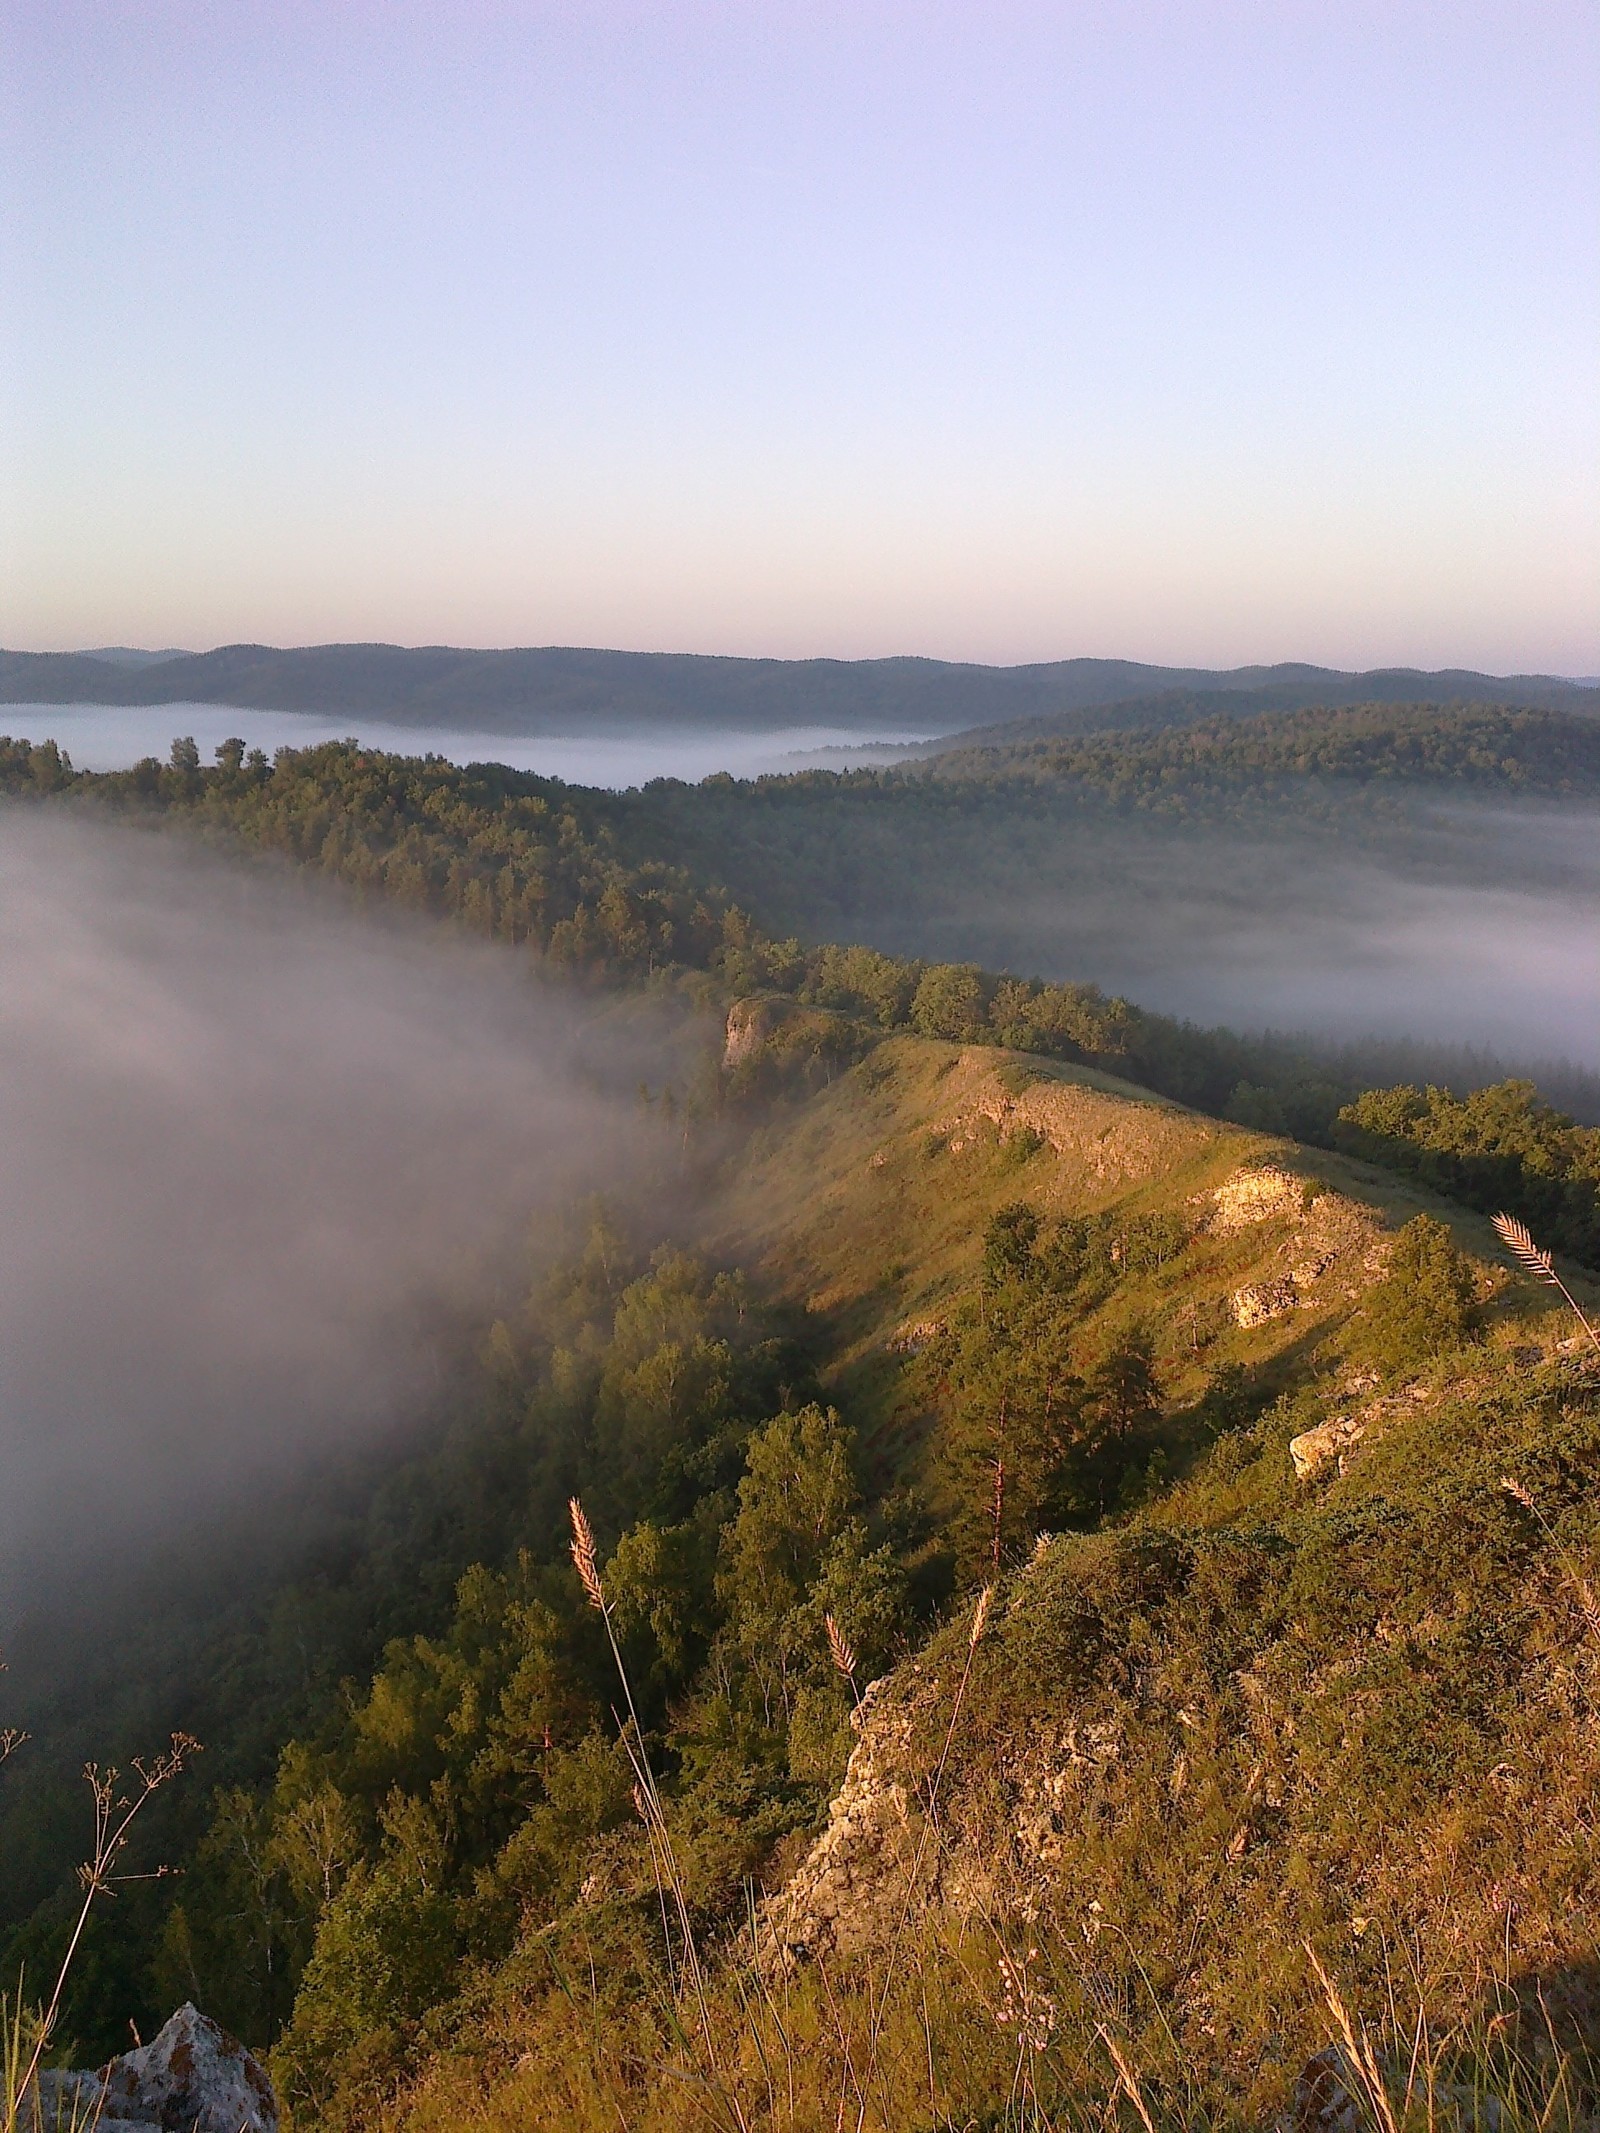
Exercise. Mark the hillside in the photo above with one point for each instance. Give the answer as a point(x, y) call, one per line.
point(918, 1311)
point(629, 888)
point(935, 1263)
point(1229, 1709)
point(1314, 690)
point(572, 690)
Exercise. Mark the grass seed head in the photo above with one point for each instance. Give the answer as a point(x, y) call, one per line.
point(583, 1556)
point(844, 1657)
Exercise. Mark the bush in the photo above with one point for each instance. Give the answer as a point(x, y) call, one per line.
point(1425, 1304)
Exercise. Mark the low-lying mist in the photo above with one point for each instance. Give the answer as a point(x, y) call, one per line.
point(258, 1153)
point(1480, 929)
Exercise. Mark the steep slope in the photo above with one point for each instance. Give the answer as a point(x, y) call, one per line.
point(1342, 1694)
point(868, 1203)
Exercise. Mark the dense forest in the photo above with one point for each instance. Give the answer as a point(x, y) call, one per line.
point(632, 887)
point(643, 886)
point(414, 1855)
point(1366, 775)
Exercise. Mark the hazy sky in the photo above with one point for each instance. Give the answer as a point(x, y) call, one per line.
point(1189, 331)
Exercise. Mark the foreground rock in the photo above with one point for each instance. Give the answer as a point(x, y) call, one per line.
point(192, 2078)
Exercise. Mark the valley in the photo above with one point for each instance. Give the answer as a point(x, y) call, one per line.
point(1092, 1520)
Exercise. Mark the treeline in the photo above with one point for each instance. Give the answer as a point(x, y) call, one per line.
point(594, 884)
point(1491, 746)
point(1499, 1147)
point(622, 887)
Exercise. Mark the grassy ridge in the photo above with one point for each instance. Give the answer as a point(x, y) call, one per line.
point(1232, 1712)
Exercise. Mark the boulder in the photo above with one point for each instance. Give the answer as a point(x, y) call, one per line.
point(1263, 1300)
point(1328, 2096)
point(191, 2078)
point(1312, 1450)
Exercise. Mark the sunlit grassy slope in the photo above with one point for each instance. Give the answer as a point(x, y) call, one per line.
point(1251, 1715)
point(869, 1201)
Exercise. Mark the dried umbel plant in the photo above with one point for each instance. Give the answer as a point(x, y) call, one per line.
point(11, 1737)
point(116, 1808)
point(1518, 1241)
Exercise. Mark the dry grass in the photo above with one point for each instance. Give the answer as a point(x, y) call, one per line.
point(1518, 1240)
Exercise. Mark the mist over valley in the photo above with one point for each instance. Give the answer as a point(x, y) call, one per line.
point(267, 1162)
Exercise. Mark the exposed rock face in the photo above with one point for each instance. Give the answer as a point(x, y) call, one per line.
point(1107, 1140)
point(1255, 1196)
point(192, 2078)
point(1338, 1438)
point(750, 1024)
point(770, 1027)
point(1312, 1450)
point(855, 1878)
point(1326, 1235)
point(1262, 1300)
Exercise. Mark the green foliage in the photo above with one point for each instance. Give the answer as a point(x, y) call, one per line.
point(1425, 1305)
point(1034, 1432)
point(949, 1003)
point(1302, 1708)
point(1188, 768)
point(798, 1502)
point(1498, 1149)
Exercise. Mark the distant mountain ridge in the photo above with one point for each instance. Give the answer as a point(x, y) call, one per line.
point(573, 690)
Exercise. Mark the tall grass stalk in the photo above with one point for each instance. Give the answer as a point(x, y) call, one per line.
point(1518, 1241)
point(647, 1799)
point(980, 1617)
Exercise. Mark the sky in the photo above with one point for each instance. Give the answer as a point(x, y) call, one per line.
point(1189, 330)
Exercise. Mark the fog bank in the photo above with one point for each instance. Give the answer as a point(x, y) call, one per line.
point(116, 736)
point(1477, 927)
point(255, 1151)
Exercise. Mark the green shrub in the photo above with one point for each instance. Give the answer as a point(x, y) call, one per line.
point(1425, 1304)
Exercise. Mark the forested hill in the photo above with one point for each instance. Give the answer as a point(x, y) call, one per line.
point(1174, 1556)
point(569, 690)
point(1479, 746)
point(1378, 692)
point(653, 885)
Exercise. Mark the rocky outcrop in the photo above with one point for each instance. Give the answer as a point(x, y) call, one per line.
point(1336, 1439)
point(1253, 1196)
point(750, 1024)
point(1264, 1300)
point(1335, 2094)
point(854, 1881)
point(191, 2078)
point(1313, 1448)
point(771, 1030)
point(1324, 1235)
point(1106, 1140)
